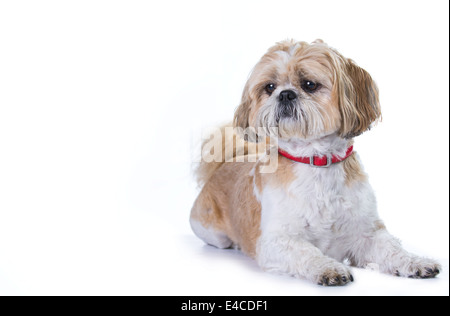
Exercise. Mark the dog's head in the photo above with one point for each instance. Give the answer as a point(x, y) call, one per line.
point(308, 91)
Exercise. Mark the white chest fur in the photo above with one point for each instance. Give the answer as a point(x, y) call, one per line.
point(320, 208)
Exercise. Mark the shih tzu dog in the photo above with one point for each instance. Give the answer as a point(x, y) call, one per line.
point(317, 209)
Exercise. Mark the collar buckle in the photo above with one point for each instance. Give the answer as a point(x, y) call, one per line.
point(311, 162)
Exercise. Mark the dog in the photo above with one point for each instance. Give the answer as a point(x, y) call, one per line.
point(316, 214)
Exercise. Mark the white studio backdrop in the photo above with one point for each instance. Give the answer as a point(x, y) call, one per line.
point(102, 103)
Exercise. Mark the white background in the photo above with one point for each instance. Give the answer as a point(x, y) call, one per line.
point(102, 102)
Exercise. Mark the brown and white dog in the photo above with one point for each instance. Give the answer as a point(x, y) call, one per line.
point(317, 209)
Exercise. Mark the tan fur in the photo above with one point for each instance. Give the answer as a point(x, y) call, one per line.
point(205, 170)
point(353, 171)
point(379, 225)
point(358, 99)
point(241, 149)
point(242, 114)
point(238, 217)
point(282, 178)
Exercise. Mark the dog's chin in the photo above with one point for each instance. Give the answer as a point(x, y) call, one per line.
point(295, 127)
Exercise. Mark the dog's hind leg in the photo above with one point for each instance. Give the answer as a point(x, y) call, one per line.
point(207, 222)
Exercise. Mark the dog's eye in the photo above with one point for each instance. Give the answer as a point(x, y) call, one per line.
point(310, 86)
point(270, 88)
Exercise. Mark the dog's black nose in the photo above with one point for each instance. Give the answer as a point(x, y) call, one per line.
point(287, 96)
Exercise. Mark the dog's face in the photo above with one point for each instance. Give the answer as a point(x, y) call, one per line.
point(308, 91)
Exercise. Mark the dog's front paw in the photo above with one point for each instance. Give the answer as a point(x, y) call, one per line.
point(334, 274)
point(418, 268)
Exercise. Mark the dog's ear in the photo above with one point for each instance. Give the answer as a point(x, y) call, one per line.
point(358, 99)
point(242, 113)
point(242, 118)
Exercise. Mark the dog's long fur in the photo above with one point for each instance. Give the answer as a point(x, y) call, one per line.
point(301, 220)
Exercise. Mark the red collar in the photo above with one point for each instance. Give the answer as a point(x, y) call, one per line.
point(318, 161)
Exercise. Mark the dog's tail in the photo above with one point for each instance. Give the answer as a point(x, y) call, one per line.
point(216, 158)
point(226, 146)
